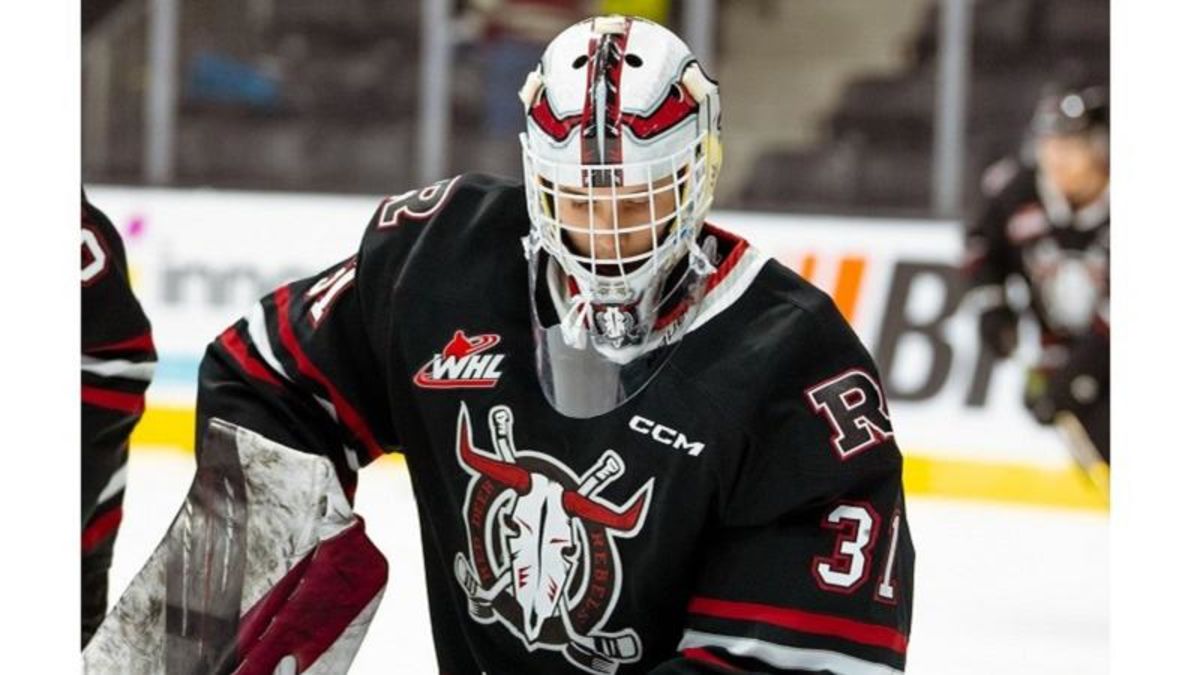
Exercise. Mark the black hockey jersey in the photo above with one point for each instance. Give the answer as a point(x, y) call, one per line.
point(743, 511)
point(117, 364)
point(1026, 228)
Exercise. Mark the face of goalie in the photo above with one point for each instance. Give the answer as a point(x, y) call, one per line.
point(615, 223)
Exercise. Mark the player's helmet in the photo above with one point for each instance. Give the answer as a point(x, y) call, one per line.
point(1074, 112)
point(617, 111)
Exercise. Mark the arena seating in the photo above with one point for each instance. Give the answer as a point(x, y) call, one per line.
point(876, 153)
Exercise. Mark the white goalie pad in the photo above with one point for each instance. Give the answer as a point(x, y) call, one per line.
point(265, 570)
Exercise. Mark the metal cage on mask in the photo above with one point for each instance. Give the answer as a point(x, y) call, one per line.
point(599, 213)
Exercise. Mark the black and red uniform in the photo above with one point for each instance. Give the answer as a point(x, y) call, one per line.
point(742, 512)
point(117, 364)
point(1028, 231)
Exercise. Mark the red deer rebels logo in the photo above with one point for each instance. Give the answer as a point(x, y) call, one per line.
point(542, 557)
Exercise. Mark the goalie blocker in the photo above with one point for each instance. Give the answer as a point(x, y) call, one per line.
point(265, 569)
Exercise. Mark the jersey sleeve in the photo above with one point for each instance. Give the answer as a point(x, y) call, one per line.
point(116, 367)
point(307, 366)
point(117, 364)
point(810, 564)
point(302, 368)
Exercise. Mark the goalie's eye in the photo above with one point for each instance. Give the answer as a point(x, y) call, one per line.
point(576, 205)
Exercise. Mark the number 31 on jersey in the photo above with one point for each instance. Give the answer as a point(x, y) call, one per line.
point(857, 525)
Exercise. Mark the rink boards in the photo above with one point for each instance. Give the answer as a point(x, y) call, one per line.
point(199, 258)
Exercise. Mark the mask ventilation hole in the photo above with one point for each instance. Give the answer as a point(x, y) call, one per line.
point(633, 60)
point(578, 63)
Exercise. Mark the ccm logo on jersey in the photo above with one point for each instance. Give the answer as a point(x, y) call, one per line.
point(463, 364)
point(665, 435)
point(853, 405)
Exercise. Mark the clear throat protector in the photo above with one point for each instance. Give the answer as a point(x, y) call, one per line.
point(594, 355)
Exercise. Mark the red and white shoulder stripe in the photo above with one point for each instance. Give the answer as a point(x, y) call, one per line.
point(733, 276)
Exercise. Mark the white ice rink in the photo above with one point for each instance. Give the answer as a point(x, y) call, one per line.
point(998, 589)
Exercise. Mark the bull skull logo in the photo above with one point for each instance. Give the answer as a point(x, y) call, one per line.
point(542, 557)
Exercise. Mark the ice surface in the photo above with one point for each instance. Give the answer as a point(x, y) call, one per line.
point(998, 589)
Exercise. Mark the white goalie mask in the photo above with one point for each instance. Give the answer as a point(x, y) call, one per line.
point(621, 156)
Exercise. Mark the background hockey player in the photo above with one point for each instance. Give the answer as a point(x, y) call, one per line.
point(118, 362)
point(1046, 222)
point(636, 443)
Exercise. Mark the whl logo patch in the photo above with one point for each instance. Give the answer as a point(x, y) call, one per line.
point(463, 364)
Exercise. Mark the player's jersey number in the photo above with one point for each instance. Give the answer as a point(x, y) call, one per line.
point(328, 289)
point(857, 526)
point(415, 205)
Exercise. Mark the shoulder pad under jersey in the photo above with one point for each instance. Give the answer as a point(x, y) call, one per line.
point(434, 222)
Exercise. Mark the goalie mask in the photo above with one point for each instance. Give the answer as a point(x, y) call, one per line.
point(621, 155)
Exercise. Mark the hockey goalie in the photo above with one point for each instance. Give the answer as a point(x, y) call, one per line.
point(636, 443)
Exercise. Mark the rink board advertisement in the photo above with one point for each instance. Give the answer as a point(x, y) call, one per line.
point(199, 258)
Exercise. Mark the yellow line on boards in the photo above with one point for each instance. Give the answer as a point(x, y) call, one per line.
point(165, 428)
point(1000, 482)
point(924, 476)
